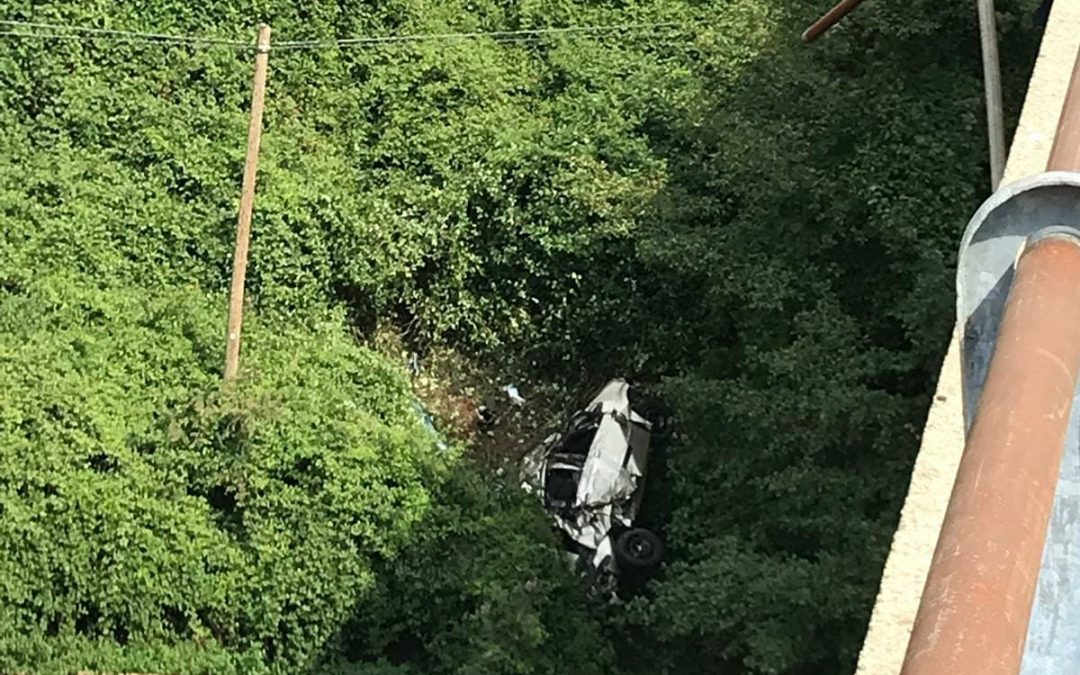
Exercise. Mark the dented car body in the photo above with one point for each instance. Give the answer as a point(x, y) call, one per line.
point(590, 477)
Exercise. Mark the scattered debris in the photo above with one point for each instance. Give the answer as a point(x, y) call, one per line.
point(486, 417)
point(515, 396)
point(428, 423)
point(470, 401)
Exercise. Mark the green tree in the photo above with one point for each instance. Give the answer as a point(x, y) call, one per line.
point(762, 231)
point(154, 520)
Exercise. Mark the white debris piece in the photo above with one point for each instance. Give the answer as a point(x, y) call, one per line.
point(515, 396)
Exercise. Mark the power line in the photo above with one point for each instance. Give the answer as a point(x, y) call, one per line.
point(42, 36)
point(124, 40)
point(51, 31)
point(497, 35)
point(61, 31)
point(522, 40)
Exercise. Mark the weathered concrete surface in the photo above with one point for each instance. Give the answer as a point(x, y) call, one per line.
point(943, 437)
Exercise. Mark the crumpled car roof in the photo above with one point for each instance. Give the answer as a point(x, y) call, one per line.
point(607, 491)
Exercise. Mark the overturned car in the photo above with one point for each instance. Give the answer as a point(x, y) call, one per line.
point(590, 477)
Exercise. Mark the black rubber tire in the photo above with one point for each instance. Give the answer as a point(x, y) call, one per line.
point(638, 550)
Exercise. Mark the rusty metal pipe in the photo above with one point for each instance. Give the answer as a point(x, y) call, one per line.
point(975, 609)
point(976, 605)
point(831, 18)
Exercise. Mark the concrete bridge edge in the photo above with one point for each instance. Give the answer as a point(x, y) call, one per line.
point(943, 436)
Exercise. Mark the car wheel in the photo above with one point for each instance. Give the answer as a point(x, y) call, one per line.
point(638, 549)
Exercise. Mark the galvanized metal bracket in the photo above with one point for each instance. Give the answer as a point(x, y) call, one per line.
point(1018, 212)
point(1014, 216)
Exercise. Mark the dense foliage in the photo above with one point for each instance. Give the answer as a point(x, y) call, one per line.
point(144, 504)
point(762, 230)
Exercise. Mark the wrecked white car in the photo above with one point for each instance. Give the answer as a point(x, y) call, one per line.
point(590, 477)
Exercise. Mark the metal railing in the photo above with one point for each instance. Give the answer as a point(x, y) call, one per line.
point(976, 605)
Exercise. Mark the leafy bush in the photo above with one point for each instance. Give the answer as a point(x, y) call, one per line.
point(152, 519)
point(764, 229)
point(447, 181)
point(483, 589)
point(805, 241)
point(141, 503)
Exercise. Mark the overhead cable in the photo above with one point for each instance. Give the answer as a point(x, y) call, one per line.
point(36, 30)
point(42, 30)
point(497, 35)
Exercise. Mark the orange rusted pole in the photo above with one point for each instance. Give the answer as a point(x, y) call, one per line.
point(831, 18)
point(974, 614)
point(976, 606)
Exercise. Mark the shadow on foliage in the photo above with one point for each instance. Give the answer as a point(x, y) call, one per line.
point(789, 289)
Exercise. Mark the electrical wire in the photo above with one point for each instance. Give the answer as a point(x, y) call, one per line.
point(127, 40)
point(35, 30)
point(533, 40)
point(41, 36)
point(424, 37)
point(39, 30)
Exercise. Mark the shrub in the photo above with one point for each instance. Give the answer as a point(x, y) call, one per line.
point(143, 504)
point(302, 519)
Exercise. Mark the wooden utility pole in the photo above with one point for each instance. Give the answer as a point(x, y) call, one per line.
point(247, 203)
point(995, 124)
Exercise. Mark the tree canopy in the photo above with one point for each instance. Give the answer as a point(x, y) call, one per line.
point(760, 232)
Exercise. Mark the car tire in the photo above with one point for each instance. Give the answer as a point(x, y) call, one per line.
point(638, 550)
